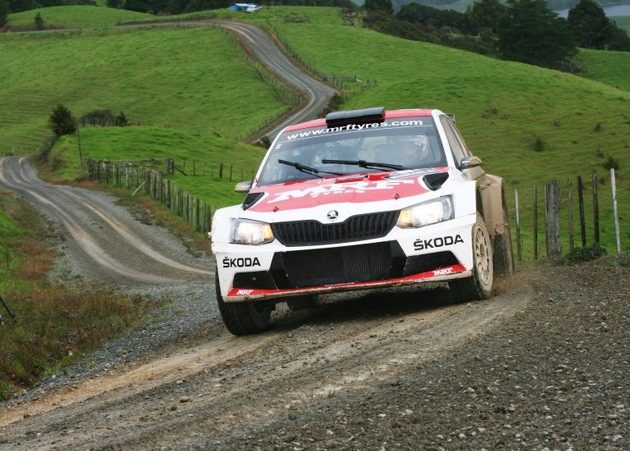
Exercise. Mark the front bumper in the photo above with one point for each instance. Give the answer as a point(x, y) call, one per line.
point(411, 256)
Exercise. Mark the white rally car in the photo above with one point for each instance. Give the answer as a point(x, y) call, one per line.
point(362, 199)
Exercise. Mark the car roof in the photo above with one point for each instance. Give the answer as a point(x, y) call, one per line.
point(388, 114)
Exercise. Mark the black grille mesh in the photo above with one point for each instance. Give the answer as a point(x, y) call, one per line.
point(355, 228)
point(335, 265)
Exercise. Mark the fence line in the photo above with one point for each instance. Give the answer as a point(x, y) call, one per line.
point(197, 213)
point(152, 183)
point(552, 217)
point(16, 151)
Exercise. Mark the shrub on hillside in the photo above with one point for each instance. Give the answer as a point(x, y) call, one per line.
point(611, 163)
point(104, 118)
point(61, 121)
point(539, 145)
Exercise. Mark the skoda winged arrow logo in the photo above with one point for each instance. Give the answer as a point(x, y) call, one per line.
point(332, 214)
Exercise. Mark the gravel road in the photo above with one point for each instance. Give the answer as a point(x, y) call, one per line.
point(542, 365)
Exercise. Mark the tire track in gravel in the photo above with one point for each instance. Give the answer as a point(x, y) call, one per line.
point(103, 236)
point(243, 383)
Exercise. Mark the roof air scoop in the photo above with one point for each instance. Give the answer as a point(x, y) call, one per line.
point(363, 116)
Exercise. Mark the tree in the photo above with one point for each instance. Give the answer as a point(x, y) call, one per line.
point(589, 24)
point(531, 33)
point(384, 6)
point(39, 22)
point(619, 39)
point(486, 15)
point(428, 17)
point(4, 12)
point(61, 121)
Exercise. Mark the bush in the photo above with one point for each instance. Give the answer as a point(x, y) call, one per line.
point(61, 121)
point(583, 254)
point(539, 144)
point(611, 163)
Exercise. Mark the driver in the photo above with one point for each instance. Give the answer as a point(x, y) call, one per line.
point(410, 150)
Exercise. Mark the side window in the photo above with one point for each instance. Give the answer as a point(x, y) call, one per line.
point(454, 140)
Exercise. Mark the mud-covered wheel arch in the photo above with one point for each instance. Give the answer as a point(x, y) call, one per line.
point(502, 246)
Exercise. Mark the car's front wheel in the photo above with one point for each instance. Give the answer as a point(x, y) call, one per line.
point(244, 318)
point(479, 285)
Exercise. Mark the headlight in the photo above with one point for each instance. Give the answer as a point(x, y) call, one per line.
point(251, 232)
point(437, 210)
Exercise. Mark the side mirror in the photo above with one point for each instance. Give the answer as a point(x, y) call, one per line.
point(470, 162)
point(243, 187)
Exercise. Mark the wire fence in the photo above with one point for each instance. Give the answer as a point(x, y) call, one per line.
point(562, 227)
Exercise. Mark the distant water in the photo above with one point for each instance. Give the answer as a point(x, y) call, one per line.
point(611, 11)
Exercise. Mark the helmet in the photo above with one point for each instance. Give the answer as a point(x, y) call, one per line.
point(417, 145)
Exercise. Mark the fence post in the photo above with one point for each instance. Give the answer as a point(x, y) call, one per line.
point(535, 218)
point(581, 206)
point(595, 207)
point(570, 213)
point(519, 243)
point(552, 219)
point(615, 213)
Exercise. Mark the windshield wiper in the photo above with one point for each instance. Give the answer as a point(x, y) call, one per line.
point(306, 169)
point(365, 164)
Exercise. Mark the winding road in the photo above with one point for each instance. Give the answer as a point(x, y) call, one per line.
point(103, 241)
point(263, 47)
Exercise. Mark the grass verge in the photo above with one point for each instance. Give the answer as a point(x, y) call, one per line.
point(54, 325)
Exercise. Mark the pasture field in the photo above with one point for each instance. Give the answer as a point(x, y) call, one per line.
point(194, 79)
point(612, 68)
point(528, 124)
point(80, 16)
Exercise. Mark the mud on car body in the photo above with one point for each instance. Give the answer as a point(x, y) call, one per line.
point(362, 199)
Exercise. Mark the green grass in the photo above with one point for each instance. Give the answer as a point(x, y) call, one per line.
point(74, 17)
point(53, 325)
point(193, 79)
point(612, 68)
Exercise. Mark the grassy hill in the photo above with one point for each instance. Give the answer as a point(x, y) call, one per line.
point(186, 86)
point(74, 17)
point(193, 79)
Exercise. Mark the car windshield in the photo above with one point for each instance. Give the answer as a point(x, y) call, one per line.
point(407, 143)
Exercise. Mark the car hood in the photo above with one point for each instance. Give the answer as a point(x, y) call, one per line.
point(357, 188)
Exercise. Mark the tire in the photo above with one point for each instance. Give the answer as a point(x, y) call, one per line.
point(479, 285)
point(244, 318)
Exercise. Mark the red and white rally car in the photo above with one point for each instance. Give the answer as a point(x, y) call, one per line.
point(362, 199)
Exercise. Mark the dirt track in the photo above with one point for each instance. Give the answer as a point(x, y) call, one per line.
point(543, 365)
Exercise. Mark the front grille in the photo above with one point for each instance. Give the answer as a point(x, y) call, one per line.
point(349, 264)
point(355, 228)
